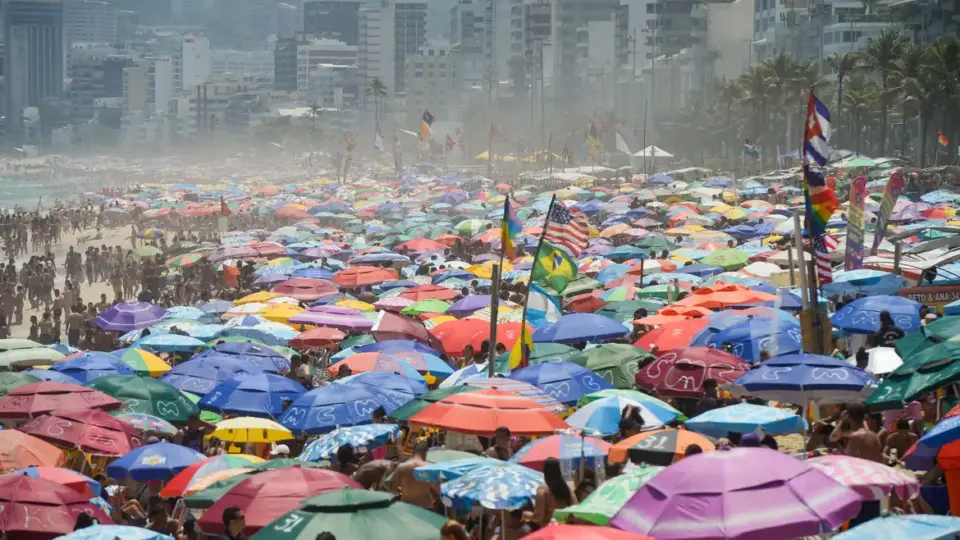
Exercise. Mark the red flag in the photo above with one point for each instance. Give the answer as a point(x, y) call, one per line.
point(231, 276)
point(224, 209)
point(450, 143)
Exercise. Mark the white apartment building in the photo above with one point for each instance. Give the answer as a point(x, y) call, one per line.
point(193, 62)
point(377, 57)
point(322, 51)
point(257, 64)
point(430, 81)
point(90, 21)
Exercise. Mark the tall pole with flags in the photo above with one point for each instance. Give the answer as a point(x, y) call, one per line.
point(520, 356)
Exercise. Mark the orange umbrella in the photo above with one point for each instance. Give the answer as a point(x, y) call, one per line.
point(482, 412)
point(424, 292)
point(306, 289)
point(317, 337)
point(659, 447)
point(673, 314)
point(421, 244)
point(447, 239)
point(652, 266)
point(19, 451)
point(456, 335)
point(673, 335)
point(586, 302)
point(723, 295)
point(358, 276)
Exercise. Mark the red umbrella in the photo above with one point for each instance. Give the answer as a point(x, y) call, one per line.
point(268, 495)
point(359, 276)
point(482, 412)
point(421, 244)
point(582, 532)
point(723, 295)
point(38, 509)
point(90, 431)
point(586, 302)
point(456, 335)
point(672, 335)
point(269, 249)
point(65, 477)
point(317, 337)
point(392, 326)
point(425, 292)
point(307, 289)
point(39, 398)
point(681, 372)
point(19, 451)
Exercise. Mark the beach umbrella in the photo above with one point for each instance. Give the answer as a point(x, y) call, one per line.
point(746, 418)
point(84, 485)
point(157, 461)
point(217, 306)
point(305, 289)
point(272, 359)
point(168, 343)
point(570, 450)
point(247, 429)
point(29, 357)
point(482, 412)
point(681, 372)
point(348, 321)
point(112, 532)
point(360, 276)
point(143, 362)
point(739, 493)
point(187, 478)
point(19, 451)
point(184, 261)
point(631, 394)
point(862, 316)
point(442, 471)
point(871, 480)
point(603, 415)
point(723, 295)
point(127, 316)
point(149, 396)
point(147, 252)
point(147, 423)
point(39, 398)
point(675, 335)
point(204, 371)
point(565, 382)
point(266, 496)
point(376, 361)
point(864, 281)
point(11, 380)
point(880, 360)
point(455, 335)
point(728, 259)
point(894, 527)
point(212, 492)
point(580, 327)
point(750, 338)
point(355, 513)
point(581, 532)
point(617, 363)
point(369, 437)
point(87, 430)
point(259, 394)
point(430, 305)
point(38, 509)
point(658, 447)
point(801, 378)
point(600, 506)
point(425, 292)
point(404, 412)
point(502, 487)
point(88, 366)
point(323, 409)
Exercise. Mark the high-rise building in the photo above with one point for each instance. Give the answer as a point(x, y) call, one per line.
point(256, 64)
point(35, 57)
point(411, 34)
point(92, 21)
point(376, 51)
point(430, 80)
point(333, 19)
point(194, 61)
point(288, 20)
point(467, 27)
point(95, 72)
point(285, 64)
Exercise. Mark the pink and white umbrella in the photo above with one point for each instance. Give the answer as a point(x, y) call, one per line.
point(871, 480)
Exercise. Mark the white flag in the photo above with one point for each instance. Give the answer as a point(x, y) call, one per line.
point(622, 145)
point(378, 141)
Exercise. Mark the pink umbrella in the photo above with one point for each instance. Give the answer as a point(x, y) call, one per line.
point(234, 251)
point(744, 493)
point(393, 304)
point(392, 326)
point(873, 481)
point(305, 288)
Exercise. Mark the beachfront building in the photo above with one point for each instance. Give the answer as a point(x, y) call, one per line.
point(258, 64)
point(333, 19)
point(430, 78)
point(321, 51)
point(94, 72)
point(94, 21)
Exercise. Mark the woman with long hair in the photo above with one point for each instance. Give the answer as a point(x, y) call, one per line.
point(555, 494)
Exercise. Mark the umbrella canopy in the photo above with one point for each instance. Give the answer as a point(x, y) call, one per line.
point(143, 362)
point(581, 532)
point(19, 451)
point(916, 527)
point(355, 513)
point(87, 366)
point(565, 382)
point(361, 276)
point(603, 415)
point(148, 396)
point(260, 394)
point(266, 496)
point(247, 429)
point(185, 479)
point(862, 316)
point(369, 437)
point(746, 418)
point(504, 486)
point(83, 485)
point(873, 481)
point(579, 328)
point(147, 423)
point(660, 447)
point(127, 316)
point(675, 335)
point(39, 398)
point(158, 461)
point(801, 378)
point(9, 381)
point(306, 289)
point(323, 409)
point(482, 412)
point(740, 493)
point(681, 372)
point(87, 430)
point(617, 363)
point(38, 509)
point(570, 450)
point(600, 506)
point(112, 532)
point(203, 372)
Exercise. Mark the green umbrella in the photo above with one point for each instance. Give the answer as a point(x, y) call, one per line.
point(657, 291)
point(624, 311)
point(728, 259)
point(430, 305)
point(283, 463)
point(355, 513)
point(615, 362)
point(656, 242)
point(147, 395)
point(356, 341)
point(9, 381)
point(27, 358)
point(471, 227)
point(581, 285)
point(635, 395)
point(420, 403)
point(601, 505)
point(206, 497)
point(860, 162)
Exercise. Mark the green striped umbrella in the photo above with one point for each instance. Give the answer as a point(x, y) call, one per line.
point(601, 505)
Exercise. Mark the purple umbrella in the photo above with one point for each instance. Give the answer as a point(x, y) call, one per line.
point(332, 320)
point(321, 252)
point(127, 316)
point(335, 310)
point(232, 252)
point(745, 493)
point(270, 279)
point(467, 305)
point(598, 249)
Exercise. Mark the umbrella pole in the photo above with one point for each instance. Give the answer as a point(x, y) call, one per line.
point(494, 310)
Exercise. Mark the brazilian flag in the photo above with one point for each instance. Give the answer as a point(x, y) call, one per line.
point(554, 267)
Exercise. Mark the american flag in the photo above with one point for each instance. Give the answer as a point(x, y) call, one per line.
point(821, 252)
point(567, 227)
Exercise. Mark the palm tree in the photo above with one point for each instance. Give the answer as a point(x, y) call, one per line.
point(944, 65)
point(881, 56)
point(728, 93)
point(377, 90)
point(843, 65)
point(859, 102)
point(756, 98)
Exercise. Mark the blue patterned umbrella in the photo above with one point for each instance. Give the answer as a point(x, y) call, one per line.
point(603, 415)
point(579, 328)
point(48, 375)
point(158, 461)
point(88, 366)
point(504, 487)
point(565, 382)
point(259, 395)
point(862, 316)
point(112, 532)
point(916, 527)
point(323, 409)
point(202, 373)
point(372, 436)
point(801, 378)
point(745, 418)
point(168, 343)
point(436, 473)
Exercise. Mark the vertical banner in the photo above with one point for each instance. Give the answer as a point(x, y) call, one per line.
point(858, 194)
point(890, 195)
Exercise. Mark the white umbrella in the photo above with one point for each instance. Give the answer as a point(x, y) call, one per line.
point(881, 360)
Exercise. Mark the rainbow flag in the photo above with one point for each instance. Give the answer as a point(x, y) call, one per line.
point(819, 199)
point(942, 139)
point(510, 227)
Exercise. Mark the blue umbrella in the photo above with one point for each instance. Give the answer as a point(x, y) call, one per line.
point(112, 532)
point(312, 273)
point(570, 450)
point(270, 333)
point(387, 382)
point(188, 312)
point(750, 338)
point(565, 382)
point(271, 279)
point(611, 273)
point(266, 357)
point(372, 436)
point(87, 366)
point(48, 375)
point(580, 327)
point(217, 306)
point(395, 346)
point(862, 316)
point(660, 179)
point(944, 432)
point(603, 415)
point(203, 372)
point(168, 343)
point(914, 527)
point(259, 395)
point(64, 349)
point(158, 461)
point(700, 270)
point(436, 473)
point(625, 252)
point(864, 282)
point(719, 322)
point(746, 418)
point(503, 487)
point(322, 409)
point(801, 378)
point(388, 256)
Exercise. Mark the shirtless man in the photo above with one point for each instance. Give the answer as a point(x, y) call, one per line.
point(860, 441)
point(901, 440)
point(501, 447)
point(411, 490)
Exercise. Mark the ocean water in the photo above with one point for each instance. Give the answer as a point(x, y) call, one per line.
point(26, 190)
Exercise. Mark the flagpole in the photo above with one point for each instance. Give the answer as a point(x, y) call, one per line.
point(550, 148)
point(495, 293)
point(525, 358)
point(490, 153)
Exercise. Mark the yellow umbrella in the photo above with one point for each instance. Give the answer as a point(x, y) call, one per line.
point(261, 296)
point(355, 304)
point(730, 197)
point(438, 320)
point(721, 208)
point(281, 313)
point(771, 239)
point(141, 360)
point(280, 260)
point(736, 213)
point(246, 429)
point(707, 236)
point(485, 270)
